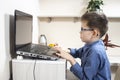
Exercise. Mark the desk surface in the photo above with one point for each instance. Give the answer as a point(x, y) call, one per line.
point(114, 61)
point(41, 61)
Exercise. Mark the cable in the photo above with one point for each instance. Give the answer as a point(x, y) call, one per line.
point(34, 70)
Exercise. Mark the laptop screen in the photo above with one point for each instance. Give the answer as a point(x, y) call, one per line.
point(23, 28)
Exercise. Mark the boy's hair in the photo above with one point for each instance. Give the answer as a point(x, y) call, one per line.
point(96, 21)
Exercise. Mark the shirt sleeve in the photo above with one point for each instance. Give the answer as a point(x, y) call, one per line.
point(77, 70)
point(89, 68)
point(76, 53)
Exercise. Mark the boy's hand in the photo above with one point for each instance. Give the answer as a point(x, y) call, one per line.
point(63, 54)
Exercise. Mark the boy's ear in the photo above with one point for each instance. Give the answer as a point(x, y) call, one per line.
point(95, 33)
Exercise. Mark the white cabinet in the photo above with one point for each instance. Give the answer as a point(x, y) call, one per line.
point(39, 69)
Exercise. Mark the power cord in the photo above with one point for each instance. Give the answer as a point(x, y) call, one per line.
point(34, 70)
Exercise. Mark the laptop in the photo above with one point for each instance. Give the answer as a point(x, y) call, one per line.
point(23, 39)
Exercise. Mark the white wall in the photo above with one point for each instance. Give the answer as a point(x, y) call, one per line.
point(63, 31)
point(76, 7)
point(7, 8)
point(112, 8)
point(62, 7)
point(114, 31)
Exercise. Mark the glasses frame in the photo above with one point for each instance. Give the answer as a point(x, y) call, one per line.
point(87, 29)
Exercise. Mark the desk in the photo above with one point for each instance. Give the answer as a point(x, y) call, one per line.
point(47, 70)
point(27, 69)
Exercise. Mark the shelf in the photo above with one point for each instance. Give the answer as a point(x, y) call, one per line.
point(74, 18)
point(62, 18)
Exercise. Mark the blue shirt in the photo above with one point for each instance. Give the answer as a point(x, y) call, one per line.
point(94, 62)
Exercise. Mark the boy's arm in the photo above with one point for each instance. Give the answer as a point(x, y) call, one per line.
point(76, 53)
point(89, 68)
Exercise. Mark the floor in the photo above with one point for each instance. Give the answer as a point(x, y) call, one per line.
point(70, 76)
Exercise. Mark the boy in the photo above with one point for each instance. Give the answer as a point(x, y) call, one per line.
point(94, 61)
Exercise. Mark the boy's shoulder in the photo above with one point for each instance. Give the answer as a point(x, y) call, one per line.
point(95, 43)
point(97, 46)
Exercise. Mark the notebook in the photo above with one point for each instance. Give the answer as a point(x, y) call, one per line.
point(23, 39)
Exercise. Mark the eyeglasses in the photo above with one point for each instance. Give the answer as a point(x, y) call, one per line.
point(89, 29)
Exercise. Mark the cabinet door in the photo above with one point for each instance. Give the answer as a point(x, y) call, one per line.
point(50, 71)
point(22, 70)
point(39, 70)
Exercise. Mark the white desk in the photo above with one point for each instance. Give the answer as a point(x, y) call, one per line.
point(47, 70)
point(39, 69)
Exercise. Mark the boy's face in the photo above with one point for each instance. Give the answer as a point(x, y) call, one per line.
point(86, 33)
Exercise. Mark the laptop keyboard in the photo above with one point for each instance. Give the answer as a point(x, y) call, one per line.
point(38, 51)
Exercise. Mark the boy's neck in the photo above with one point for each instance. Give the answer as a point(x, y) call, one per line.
point(93, 40)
